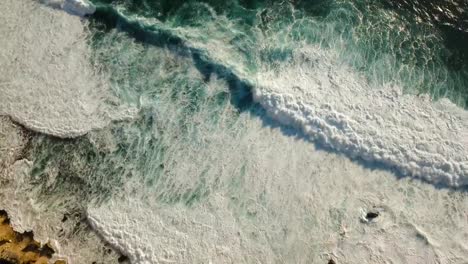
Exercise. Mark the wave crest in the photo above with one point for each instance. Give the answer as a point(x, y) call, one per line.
point(336, 107)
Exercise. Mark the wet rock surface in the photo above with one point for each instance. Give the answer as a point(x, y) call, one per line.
point(372, 215)
point(19, 248)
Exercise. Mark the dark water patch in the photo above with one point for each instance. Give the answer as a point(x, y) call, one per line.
point(451, 13)
point(450, 18)
point(107, 18)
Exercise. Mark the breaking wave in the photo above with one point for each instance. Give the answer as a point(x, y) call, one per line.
point(336, 107)
point(331, 103)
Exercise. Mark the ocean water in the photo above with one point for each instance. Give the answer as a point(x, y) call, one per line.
point(238, 131)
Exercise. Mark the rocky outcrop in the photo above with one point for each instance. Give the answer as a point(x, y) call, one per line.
point(19, 248)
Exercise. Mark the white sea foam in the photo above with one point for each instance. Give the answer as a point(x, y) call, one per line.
point(336, 107)
point(276, 199)
point(46, 80)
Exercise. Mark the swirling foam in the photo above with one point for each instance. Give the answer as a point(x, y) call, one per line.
point(46, 80)
point(277, 199)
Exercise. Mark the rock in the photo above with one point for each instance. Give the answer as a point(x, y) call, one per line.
point(18, 247)
point(372, 215)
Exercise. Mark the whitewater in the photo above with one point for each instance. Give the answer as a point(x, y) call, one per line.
point(277, 164)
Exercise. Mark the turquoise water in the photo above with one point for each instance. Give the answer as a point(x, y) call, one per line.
point(387, 45)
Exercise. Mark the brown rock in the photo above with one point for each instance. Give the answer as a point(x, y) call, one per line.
point(19, 248)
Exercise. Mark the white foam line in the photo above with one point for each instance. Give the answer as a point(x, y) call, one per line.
point(337, 108)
